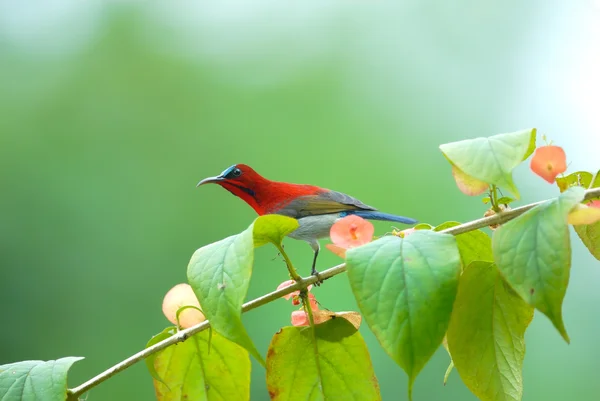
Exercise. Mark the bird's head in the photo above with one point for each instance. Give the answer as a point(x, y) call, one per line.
point(241, 180)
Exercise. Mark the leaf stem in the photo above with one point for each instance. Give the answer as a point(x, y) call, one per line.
point(180, 310)
point(301, 283)
point(293, 274)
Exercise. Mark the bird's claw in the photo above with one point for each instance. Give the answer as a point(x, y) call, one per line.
point(319, 279)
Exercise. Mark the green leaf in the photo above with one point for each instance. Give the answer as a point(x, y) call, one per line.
point(486, 336)
point(589, 233)
point(472, 245)
point(163, 335)
point(579, 178)
point(492, 159)
point(188, 371)
point(219, 274)
point(340, 370)
point(505, 200)
point(35, 380)
point(590, 236)
point(533, 252)
point(272, 228)
point(405, 288)
point(423, 226)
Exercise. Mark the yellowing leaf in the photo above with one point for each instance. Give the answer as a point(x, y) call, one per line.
point(336, 367)
point(492, 159)
point(191, 371)
point(583, 215)
point(467, 184)
point(579, 178)
point(588, 233)
point(321, 316)
point(272, 228)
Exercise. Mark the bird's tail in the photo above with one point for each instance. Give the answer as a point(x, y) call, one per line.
point(374, 215)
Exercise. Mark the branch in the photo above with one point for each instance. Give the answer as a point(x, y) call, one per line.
point(302, 283)
point(184, 334)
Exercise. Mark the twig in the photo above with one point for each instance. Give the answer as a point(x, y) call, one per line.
point(505, 216)
point(182, 335)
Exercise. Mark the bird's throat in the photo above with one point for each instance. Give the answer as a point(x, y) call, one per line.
point(247, 194)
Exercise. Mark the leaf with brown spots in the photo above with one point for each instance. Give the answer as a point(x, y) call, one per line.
point(533, 253)
point(337, 367)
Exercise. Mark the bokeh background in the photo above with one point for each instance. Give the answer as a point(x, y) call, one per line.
point(111, 111)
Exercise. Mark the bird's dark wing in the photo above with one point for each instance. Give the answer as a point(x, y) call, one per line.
point(322, 203)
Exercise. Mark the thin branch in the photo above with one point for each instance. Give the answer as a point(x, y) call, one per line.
point(505, 216)
point(182, 335)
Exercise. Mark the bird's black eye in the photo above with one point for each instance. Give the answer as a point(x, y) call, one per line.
point(236, 172)
point(231, 172)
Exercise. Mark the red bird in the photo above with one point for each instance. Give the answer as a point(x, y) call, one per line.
point(316, 209)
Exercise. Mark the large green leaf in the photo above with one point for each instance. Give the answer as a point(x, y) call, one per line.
point(219, 274)
point(492, 159)
point(35, 380)
point(472, 245)
point(272, 228)
point(486, 336)
point(405, 288)
point(191, 371)
point(588, 233)
point(338, 368)
point(533, 252)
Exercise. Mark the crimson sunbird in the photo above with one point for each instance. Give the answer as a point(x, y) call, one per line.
point(315, 208)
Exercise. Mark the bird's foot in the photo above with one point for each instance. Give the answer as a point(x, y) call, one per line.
point(319, 279)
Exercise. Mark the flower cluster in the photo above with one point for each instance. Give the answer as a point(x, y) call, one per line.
point(300, 317)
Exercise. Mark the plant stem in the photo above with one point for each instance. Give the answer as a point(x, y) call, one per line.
point(313, 330)
point(494, 199)
point(301, 283)
point(293, 274)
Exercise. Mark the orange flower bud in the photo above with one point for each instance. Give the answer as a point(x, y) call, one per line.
point(179, 296)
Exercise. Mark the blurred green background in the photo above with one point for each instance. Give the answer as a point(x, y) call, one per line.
point(110, 113)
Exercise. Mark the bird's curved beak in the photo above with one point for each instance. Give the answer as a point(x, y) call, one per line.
point(210, 180)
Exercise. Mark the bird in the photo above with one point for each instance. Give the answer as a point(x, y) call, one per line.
point(316, 209)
